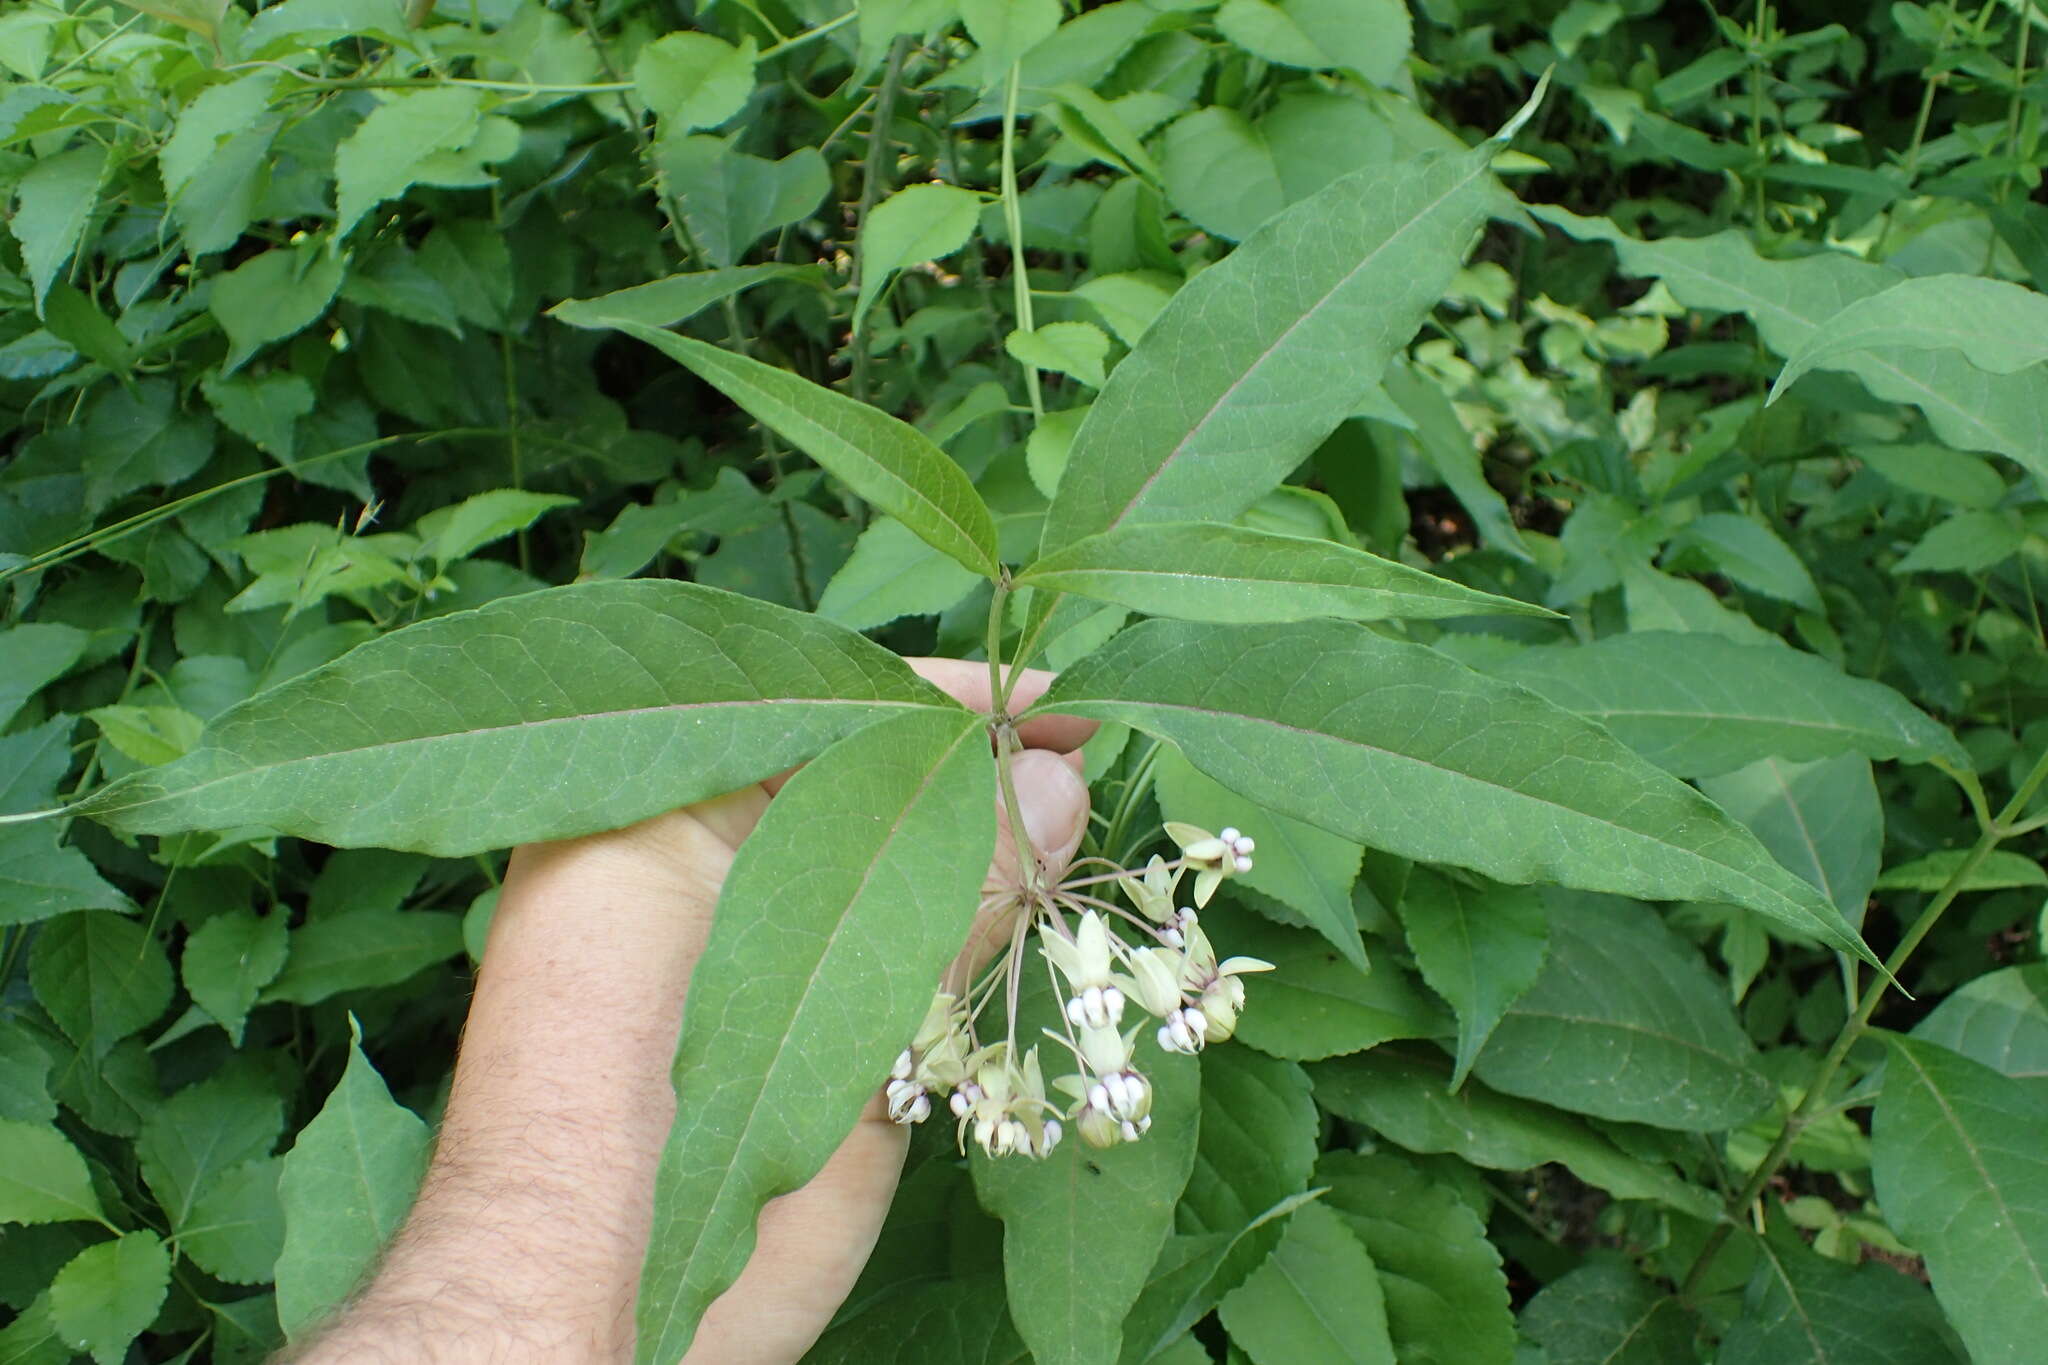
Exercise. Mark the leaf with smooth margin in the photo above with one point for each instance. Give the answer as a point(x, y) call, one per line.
point(1962, 1177)
point(1260, 356)
point(44, 1179)
point(544, 716)
point(1071, 1287)
point(2000, 1020)
point(1700, 705)
point(1193, 1271)
point(1401, 1095)
point(1257, 1146)
point(1790, 301)
point(347, 1183)
point(1626, 1023)
point(362, 950)
point(1202, 571)
point(33, 656)
point(1823, 820)
point(675, 298)
point(890, 574)
point(1400, 748)
point(1999, 870)
point(917, 223)
point(235, 1230)
point(1479, 947)
point(1314, 1004)
point(1998, 326)
point(1307, 870)
point(1752, 554)
point(108, 1293)
point(1802, 1308)
point(1606, 1314)
point(1317, 1298)
point(870, 858)
point(232, 1116)
point(1446, 1294)
point(893, 465)
point(101, 976)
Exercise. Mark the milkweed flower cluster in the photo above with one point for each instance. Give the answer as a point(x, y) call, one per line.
point(1115, 971)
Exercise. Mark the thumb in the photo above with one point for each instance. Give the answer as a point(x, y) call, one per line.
point(1055, 804)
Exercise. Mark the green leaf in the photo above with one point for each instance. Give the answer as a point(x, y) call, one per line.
point(589, 707)
point(1192, 1273)
point(1314, 1004)
point(44, 1179)
point(235, 1230)
point(1960, 1172)
point(390, 148)
point(1075, 349)
point(1396, 747)
point(1997, 326)
point(1005, 30)
point(1442, 440)
point(1479, 947)
point(1606, 1314)
point(103, 1299)
point(890, 574)
point(31, 657)
point(1968, 542)
point(891, 464)
point(2000, 870)
point(956, 1319)
point(272, 296)
point(32, 1339)
point(264, 411)
point(1823, 820)
point(1307, 870)
point(730, 199)
point(794, 1016)
point(1200, 420)
point(1446, 1294)
point(214, 163)
point(917, 223)
point(1802, 1308)
point(147, 734)
point(228, 959)
point(1317, 1298)
point(1402, 1094)
point(33, 761)
point(1267, 31)
point(101, 976)
point(361, 950)
point(1129, 301)
point(346, 1185)
point(1207, 572)
point(1747, 551)
point(693, 80)
point(24, 1078)
point(459, 531)
point(1999, 1020)
point(1257, 1147)
point(77, 321)
point(139, 438)
point(231, 1117)
point(1626, 1023)
point(1070, 1285)
point(1220, 172)
point(39, 877)
point(1937, 472)
point(55, 199)
point(1700, 705)
point(676, 298)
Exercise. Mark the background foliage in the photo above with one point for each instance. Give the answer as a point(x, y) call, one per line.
point(286, 364)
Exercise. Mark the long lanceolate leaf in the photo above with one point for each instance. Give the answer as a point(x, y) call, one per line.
point(1260, 356)
point(1398, 747)
point(538, 717)
point(836, 920)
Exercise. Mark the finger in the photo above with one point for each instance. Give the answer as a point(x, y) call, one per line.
point(1055, 802)
point(967, 683)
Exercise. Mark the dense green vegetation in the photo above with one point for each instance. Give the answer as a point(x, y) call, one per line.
point(1565, 478)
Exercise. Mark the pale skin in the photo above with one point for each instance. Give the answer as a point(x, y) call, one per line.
point(526, 1241)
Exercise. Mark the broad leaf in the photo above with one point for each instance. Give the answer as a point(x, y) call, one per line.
point(32, 656)
point(891, 464)
point(1606, 1314)
point(1802, 1308)
point(44, 1179)
point(1960, 1172)
point(235, 1229)
point(1257, 1147)
point(1005, 30)
point(958, 1319)
point(461, 529)
point(1202, 418)
point(101, 976)
point(274, 295)
point(1823, 820)
point(361, 950)
point(1699, 705)
point(231, 1117)
point(1207, 572)
point(917, 223)
point(1626, 1023)
point(103, 1299)
point(890, 574)
point(2000, 1020)
point(346, 1185)
point(1479, 947)
point(230, 958)
point(730, 199)
point(394, 146)
point(694, 80)
point(676, 298)
point(1999, 870)
point(1192, 1273)
point(1397, 747)
point(40, 877)
point(1317, 1298)
point(1315, 1004)
point(56, 195)
point(537, 717)
point(838, 915)
point(1997, 326)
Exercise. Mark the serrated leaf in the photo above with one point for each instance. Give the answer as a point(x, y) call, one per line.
point(264, 411)
point(1997, 326)
point(1749, 552)
point(1700, 705)
point(1402, 1095)
point(1005, 30)
point(589, 706)
point(1479, 947)
point(231, 1117)
point(1446, 1294)
point(234, 1230)
point(103, 1299)
point(1968, 542)
point(391, 147)
point(694, 80)
point(1315, 1004)
point(361, 950)
point(917, 223)
point(1207, 572)
point(890, 463)
point(44, 1179)
point(1199, 421)
point(138, 438)
point(730, 199)
point(40, 877)
point(1999, 870)
point(101, 976)
point(54, 199)
point(1317, 1297)
point(1802, 1308)
point(345, 1186)
point(31, 657)
point(1961, 1175)
point(1257, 1147)
point(1626, 1023)
point(1606, 1314)
point(1075, 349)
point(1388, 744)
point(460, 530)
point(214, 163)
point(793, 1016)
point(676, 298)
point(1999, 1020)
point(230, 958)
point(272, 296)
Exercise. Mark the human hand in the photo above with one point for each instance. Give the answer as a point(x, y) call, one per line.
point(527, 1238)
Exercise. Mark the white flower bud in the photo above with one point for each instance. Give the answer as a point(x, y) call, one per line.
point(1097, 1128)
point(1154, 980)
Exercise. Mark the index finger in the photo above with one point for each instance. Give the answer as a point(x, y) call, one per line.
point(967, 683)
